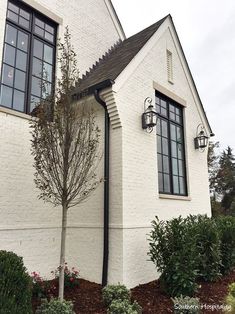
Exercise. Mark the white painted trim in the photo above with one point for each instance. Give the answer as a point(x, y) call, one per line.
point(35, 5)
point(175, 197)
point(115, 19)
point(15, 113)
point(169, 94)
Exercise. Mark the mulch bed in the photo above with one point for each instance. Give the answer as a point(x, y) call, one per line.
point(87, 297)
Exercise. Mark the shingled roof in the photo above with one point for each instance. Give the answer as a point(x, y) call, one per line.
point(117, 58)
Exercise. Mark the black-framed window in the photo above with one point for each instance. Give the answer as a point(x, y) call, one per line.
point(170, 147)
point(28, 64)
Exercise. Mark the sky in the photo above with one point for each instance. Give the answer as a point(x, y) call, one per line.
point(206, 29)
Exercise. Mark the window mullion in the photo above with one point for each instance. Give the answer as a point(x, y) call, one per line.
point(169, 148)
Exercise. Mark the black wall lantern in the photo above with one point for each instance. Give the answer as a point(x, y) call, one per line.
point(201, 140)
point(149, 117)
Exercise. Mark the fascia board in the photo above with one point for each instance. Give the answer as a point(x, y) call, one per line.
point(115, 19)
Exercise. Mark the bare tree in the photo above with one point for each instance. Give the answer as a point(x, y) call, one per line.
point(65, 146)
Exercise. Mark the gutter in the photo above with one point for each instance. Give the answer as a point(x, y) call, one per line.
point(95, 90)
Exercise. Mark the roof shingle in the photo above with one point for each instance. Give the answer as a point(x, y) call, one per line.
point(115, 61)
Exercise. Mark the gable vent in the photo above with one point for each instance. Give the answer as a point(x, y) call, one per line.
point(169, 66)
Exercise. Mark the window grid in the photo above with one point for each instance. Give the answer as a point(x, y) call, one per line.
point(170, 147)
point(16, 83)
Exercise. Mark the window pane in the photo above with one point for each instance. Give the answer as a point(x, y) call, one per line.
point(20, 80)
point(163, 103)
point(173, 132)
point(49, 28)
point(165, 164)
point(158, 108)
point(159, 146)
point(179, 135)
point(180, 151)
point(21, 60)
point(8, 75)
point(12, 16)
point(18, 101)
point(174, 149)
point(47, 72)
point(167, 188)
point(172, 116)
point(38, 48)
point(182, 186)
point(164, 128)
point(159, 127)
point(177, 111)
point(181, 167)
point(48, 54)
point(35, 101)
point(163, 112)
point(172, 108)
point(13, 7)
point(39, 31)
point(46, 89)
point(176, 185)
point(22, 42)
point(165, 150)
point(6, 96)
point(175, 166)
point(49, 37)
point(24, 22)
point(178, 119)
point(37, 67)
point(11, 35)
point(160, 182)
point(36, 86)
point(159, 162)
point(24, 14)
point(39, 23)
point(9, 55)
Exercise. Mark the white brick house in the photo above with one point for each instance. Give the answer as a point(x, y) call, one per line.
point(149, 174)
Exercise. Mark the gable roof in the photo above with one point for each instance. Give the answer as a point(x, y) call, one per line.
point(118, 57)
point(107, 69)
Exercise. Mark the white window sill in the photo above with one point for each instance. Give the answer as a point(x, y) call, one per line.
point(15, 113)
point(175, 197)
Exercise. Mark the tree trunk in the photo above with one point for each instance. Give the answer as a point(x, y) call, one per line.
point(62, 252)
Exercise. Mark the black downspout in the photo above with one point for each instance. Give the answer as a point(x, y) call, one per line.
point(106, 189)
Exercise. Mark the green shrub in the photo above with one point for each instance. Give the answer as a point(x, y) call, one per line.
point(207, 246)
point(55, 306)
point(186, 305)
point(226, 229)
point(124, 307)
point(173, 251)
point(230, 299)
point(15, 285)
point(115, 292)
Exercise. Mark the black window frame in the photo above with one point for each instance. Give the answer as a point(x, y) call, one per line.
point(30, 54)
point(165, 116)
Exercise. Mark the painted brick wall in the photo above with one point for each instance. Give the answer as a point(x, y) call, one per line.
point(28, 226)
point(92, 28)
point(141, 201)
